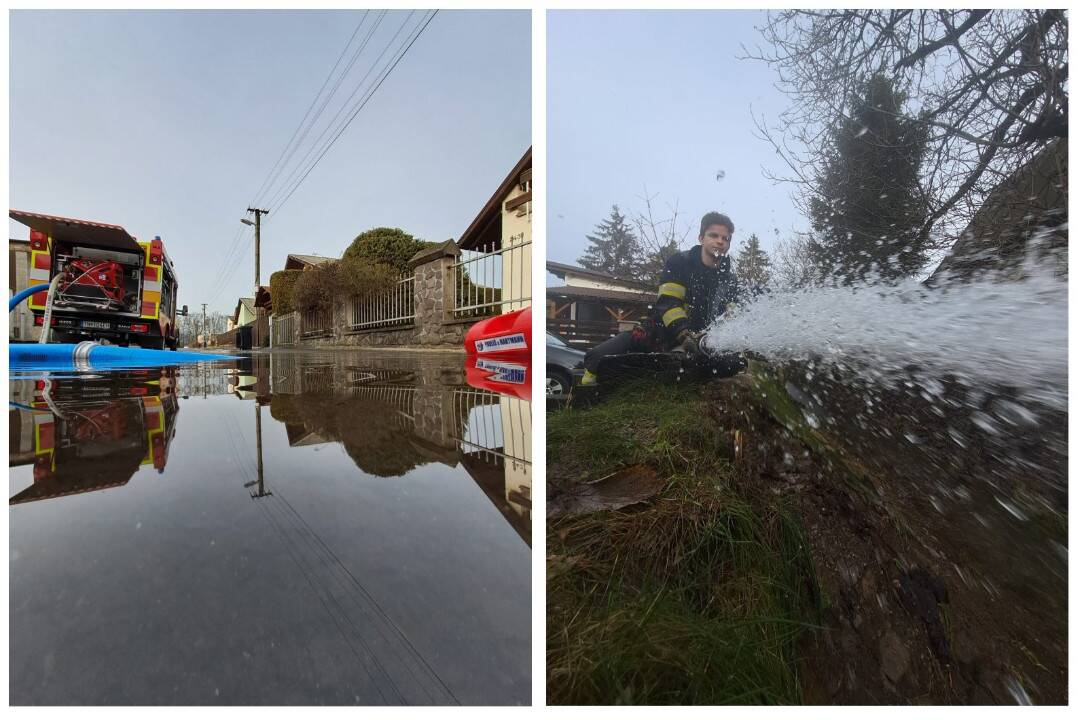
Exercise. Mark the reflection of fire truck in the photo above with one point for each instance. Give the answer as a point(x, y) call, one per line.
point(82, 437)
point(111, 286)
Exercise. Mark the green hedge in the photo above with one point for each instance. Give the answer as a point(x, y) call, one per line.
point(385, 246)
point(281, 290)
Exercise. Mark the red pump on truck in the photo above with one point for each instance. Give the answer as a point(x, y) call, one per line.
point(111, 287)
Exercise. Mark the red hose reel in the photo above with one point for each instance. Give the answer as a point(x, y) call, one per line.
point(105, 276)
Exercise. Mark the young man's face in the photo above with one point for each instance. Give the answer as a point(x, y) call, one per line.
point(716, 240)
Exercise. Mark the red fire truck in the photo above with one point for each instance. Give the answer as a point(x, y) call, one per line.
point(112, 287)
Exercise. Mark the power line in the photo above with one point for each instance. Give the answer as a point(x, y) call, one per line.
point(230, 271)
point(226, 260)
point(290, 148)
point(313, 100)
point(361, 107)
point(345, 106)
point(230, 263)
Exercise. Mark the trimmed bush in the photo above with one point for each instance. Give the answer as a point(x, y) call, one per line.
point(317, 287)
point(385, 246)
point(281, 291)
point(358, 277)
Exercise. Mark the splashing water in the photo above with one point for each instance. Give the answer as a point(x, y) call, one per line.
point(980, 333)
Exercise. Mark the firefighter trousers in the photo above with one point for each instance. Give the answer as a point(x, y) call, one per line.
point(621, 344)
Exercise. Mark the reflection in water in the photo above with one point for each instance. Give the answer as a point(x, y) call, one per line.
point(394, 580)
point(81, 437)
point(391, 421)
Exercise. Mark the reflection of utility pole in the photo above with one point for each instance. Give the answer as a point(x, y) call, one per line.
point(258, 451)
point(205, 331)
point(258, 217)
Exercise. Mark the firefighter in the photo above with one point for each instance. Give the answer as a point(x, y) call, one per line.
point(697, 287)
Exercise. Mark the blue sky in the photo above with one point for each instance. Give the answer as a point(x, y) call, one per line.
point(167, 122)
point(651, 99)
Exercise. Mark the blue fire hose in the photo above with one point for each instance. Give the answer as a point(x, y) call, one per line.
point(23, 294)
point(90, 355)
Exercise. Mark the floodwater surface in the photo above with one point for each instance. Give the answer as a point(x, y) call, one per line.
point(289, 528)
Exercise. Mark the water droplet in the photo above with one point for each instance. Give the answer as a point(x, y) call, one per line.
point(1012, 509)
point(1016, 690)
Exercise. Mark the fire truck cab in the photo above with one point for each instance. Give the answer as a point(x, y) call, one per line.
point(112, 287)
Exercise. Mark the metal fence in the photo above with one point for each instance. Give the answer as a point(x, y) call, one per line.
point(399, 398)
point(319, 321)
point(493, 280)
point(495, 426)
point(393, 308)
point(284, 333)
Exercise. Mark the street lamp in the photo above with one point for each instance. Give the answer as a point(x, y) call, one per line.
point(246, 221)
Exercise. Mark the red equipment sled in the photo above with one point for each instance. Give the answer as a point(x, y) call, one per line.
point(504, 336)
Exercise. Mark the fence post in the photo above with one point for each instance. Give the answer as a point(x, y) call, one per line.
point(433, 290)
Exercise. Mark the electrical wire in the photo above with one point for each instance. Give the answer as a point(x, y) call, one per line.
point(308, 111)
point(228, 270)
point(227, 265)
point(345, 107)
point(287, 153)
point(359, 108)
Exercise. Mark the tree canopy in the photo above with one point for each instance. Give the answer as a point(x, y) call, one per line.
point(988, 87)
point(387, 246)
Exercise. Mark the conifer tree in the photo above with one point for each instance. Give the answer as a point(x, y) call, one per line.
point(869, 210)
point(752, 264)
point(613, 247)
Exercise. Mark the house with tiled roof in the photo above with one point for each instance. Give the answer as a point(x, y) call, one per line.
point(593, 305)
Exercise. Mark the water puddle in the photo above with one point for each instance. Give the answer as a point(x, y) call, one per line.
point(291, 528)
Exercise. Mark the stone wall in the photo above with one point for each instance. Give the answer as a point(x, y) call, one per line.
point(434, 326)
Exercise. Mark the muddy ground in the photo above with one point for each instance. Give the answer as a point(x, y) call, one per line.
point(937, 529)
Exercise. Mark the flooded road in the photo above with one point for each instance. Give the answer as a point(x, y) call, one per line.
point(293, 528)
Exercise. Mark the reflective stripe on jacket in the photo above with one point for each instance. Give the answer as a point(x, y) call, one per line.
point(691, 294)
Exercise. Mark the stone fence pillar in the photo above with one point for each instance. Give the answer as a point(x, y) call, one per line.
point(434, 293)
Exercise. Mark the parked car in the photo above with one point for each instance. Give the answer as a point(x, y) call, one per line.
point(565, 367)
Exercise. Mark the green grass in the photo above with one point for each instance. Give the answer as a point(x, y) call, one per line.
point(698, 597)
point(644, 423)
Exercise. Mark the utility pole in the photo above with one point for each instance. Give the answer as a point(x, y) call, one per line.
point(205, 334)
point(261, 492)
point(258, 217)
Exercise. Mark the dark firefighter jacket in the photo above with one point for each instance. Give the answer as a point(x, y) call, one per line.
point(692, 295)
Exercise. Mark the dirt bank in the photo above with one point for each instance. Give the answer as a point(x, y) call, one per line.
point(891, 555)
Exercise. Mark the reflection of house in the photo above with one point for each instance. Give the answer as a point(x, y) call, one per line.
point(496, 248)
point(592, 305)
point(496, 450)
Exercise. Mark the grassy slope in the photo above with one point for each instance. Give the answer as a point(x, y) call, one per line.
point(696, 597)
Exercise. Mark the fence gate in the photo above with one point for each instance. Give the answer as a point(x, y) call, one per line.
point(284, 332)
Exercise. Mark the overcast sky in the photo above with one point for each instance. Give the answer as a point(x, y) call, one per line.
point(167, 122)
point(659, 99)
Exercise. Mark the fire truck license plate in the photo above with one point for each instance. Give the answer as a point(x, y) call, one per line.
point(96, 325)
